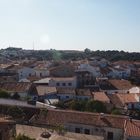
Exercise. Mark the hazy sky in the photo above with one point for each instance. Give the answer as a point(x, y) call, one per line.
point(70, 24)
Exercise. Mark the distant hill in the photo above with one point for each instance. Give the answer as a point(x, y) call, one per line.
point(52, 54)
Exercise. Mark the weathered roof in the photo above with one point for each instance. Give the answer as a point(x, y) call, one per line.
point(101, 96)
point(15, 86)
point(121, 84)
point(66, 91)
point(83, 92)
point(115, 100)
point(43, 80)
point(126, 98)
point(132, 128)
point(42, 90)
point(56, 117)
point(63, 78)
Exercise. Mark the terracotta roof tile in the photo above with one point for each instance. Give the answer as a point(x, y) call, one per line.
point(56, 117)
point(15, 87)
point(115, 100)
point(126, 98)
point(132, 128)
point(101, 96)
point(121, 84)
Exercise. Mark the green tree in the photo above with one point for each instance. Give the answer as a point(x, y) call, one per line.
point(56, 55)
point(78, 105)
point(16, 96)
point(95, 106)
point(60, 104)
point(60, 129)
point(15, 112)
point(4, 94)
point(87, 51)
point(44, 112)
point(115, 112)
point(23, 137)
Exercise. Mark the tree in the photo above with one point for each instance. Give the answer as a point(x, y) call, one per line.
point(23, 137)
point(44, 111)
point(56, 55)
point(16, 96)
point(4, 94)
point(60, 129)
point(87, 51)
point(15, 112)
point(115, 112)
point(95, 106)
point(78, 105)
point(60, 104)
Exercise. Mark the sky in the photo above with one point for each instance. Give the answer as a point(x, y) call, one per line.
point(70, 24)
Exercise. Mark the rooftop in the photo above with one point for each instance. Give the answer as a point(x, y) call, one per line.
point(66, 91)
point(126, 98)
point(56, 117)
point(15, 86)
point(101, 96)
point(42, 90)
point(132, 128)
point(121, 84)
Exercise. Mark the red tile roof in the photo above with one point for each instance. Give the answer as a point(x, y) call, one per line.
point(121, 84)
point(132, 128)
point(126, 98)
point(101, 96)
point(56, 117)
point(115, 100)
point(15, 87)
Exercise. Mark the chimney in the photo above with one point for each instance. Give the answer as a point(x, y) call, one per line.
point(101, 115)
point(130, 119)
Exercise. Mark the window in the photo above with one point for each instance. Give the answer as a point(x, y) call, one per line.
point(67, 97)
point(64, 84)
point(69, 84)
point(132, 106)
point(77, 130)
point(57, 84)
point(96, 129)
point(0, 135)
point(110, 136)
point(87, 131)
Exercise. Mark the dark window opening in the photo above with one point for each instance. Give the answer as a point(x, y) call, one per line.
point(87, 131)
point(70, 84)
point(110, 136)
point(96, 129)
point(67, 97)
point(64, 84)
point(0, 135)
point(57, 84)
point(77, 130)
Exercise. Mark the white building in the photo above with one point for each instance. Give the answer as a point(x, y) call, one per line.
point(66, 82)
point(134, 90)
